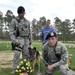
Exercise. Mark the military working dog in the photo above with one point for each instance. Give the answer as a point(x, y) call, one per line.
point(34, 57)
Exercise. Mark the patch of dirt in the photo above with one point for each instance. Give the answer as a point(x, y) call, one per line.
point(6, 59)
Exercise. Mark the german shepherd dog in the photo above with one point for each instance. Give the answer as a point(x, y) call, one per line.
point(34, 57)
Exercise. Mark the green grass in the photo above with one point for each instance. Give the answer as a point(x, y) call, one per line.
point(69, 42)
point(5, 71)
point(38, 45)
point(5, 45)
point(71, 52)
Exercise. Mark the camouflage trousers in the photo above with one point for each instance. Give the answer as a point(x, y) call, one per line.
point(63, 69)
point(17, 55)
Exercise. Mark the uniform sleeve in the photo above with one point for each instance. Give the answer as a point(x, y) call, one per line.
point(64, 57)
point(12, 31)
point(44, 54)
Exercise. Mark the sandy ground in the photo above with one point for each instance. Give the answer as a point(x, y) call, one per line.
point(6, 59)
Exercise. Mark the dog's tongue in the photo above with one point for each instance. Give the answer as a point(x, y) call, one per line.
point(25, 73)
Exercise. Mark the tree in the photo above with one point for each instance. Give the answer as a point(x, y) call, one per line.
point(63, 28)
point(34, 29)
point(73, 24)
point(42, 21)
point(36, 26)
point(57, 24)
point(1, 25)
point(8, 17)
point(7, 20)
point(66, 30)
point(73, 34)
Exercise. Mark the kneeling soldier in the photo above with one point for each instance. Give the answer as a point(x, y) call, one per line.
point(55, 55)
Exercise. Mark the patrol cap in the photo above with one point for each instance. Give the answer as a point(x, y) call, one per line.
point(20, 9)
point(51, 34)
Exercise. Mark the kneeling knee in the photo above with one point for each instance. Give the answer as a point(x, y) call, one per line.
point(64, 71)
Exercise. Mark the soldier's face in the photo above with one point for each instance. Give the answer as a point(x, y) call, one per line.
point(21, 15)
point(52, 41)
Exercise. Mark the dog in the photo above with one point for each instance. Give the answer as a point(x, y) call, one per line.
point(34, 57)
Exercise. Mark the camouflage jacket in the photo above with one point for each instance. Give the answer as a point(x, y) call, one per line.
point(21, 28)
point(49, 54)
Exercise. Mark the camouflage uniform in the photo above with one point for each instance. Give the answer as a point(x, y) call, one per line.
point(23, 37)
point(60, 62)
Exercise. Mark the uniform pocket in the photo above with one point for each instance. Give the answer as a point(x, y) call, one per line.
point(52, 56)
point(58, 50)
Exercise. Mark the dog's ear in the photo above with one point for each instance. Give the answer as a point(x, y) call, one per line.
point(34, 48)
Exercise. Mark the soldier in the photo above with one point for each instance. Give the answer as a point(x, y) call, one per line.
point(20, 36)
point(55, 55)
point(45, 30)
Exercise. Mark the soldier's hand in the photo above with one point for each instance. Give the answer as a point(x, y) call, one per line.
point(50, 67)
point(17, 43)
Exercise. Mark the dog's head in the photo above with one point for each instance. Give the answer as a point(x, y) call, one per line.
point(32, 53)
point(32, 50)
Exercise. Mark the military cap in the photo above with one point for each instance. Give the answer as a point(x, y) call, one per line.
point(20, 9)
point(51, 34)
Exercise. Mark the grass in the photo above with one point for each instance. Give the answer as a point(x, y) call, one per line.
point(5, 71)
point(69, 42)
point(71, 52)
point(6, 46)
